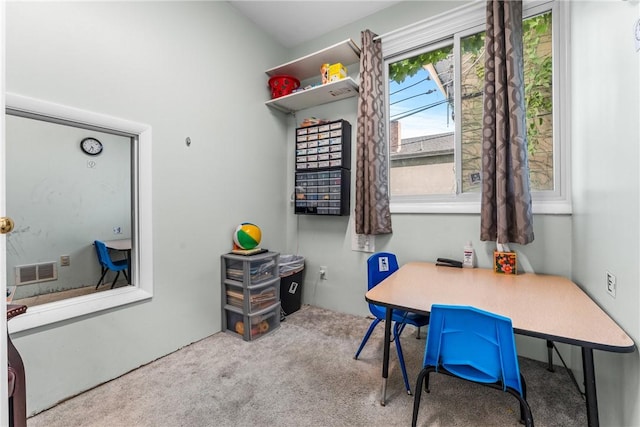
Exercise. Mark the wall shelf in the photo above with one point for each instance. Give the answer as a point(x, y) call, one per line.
point(345, 52)
point(317, 95)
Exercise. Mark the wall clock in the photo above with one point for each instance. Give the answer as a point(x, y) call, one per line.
point(91, 146)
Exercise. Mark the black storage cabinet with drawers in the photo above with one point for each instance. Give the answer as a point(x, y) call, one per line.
point(323, 163)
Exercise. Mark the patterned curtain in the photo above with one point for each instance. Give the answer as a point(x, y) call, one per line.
point(506, 199)
point(372, 190)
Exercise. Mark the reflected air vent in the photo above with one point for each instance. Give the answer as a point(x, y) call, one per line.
point(34, 273)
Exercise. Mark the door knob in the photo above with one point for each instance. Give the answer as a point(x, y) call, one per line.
point(6, 225)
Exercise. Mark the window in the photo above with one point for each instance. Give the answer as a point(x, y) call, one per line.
point(435, 75)
point(139, 176)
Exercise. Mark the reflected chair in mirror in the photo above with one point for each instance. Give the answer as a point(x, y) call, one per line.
point(474, 345)
point(107, 264)
point(380, 266)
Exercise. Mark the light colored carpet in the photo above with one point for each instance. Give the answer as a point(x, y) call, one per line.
point(304, 374)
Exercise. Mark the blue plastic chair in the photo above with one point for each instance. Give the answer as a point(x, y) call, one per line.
point(108, 264)
point(474, 345)
point(380, 266)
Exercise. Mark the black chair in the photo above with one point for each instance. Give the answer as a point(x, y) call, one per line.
point(476, 346)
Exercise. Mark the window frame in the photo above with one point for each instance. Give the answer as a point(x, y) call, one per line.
point(460, 22)
point(142, 253)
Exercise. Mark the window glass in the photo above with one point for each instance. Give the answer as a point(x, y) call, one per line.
point(432, 151)
point(471, 86)
point(421, 129)
point(538, 76)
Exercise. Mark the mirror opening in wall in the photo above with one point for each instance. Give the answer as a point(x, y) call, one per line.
point(68, 185)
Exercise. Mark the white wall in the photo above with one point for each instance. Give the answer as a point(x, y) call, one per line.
point(188, 69)
point(606, 111)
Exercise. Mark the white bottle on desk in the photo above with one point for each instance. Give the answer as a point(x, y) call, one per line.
point(469, 258)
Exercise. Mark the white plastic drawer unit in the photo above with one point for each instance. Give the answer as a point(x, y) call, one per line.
point(250, 271)
point(332, 139)
point(255, 325)
point(255, 298)
point(250, 294)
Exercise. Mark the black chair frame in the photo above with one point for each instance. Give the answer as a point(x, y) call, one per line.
point(526, 417)
point(105, 270)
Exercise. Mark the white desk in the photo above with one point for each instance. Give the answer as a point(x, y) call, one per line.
point(119, 244)
point(542, 306)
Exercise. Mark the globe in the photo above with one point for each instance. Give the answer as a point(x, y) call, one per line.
point(247, 236)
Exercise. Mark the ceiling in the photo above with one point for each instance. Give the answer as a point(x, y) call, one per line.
point(294, 22)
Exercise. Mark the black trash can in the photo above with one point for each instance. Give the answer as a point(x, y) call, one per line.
point(291, 271)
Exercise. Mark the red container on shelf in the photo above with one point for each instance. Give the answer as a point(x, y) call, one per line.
point(283, 85)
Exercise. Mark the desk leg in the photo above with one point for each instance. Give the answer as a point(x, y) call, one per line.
point(385, 357)
point(590, 387)
point(550, 356)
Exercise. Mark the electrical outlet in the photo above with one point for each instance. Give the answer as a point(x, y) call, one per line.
point(363, 242)
point(65, 260)
point(323, 272)
point(611, 284)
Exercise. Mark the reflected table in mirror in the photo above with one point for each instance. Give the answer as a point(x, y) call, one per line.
point(119, 244)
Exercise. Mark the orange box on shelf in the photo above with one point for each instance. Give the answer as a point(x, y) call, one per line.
point(505, 262)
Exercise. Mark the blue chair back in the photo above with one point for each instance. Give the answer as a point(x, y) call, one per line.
point(380, 266)
point(473, 344)
point(104, 258)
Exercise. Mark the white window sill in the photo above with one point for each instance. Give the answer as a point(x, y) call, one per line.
point(58, 311)
point(473, 207)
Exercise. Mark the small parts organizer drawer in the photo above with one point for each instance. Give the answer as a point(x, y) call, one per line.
point(324, 146)
point(250, 270)
point(322, 193)
point(252, 326)
point(259, 297)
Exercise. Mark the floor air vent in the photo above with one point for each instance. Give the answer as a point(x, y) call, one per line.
point(34, 273)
